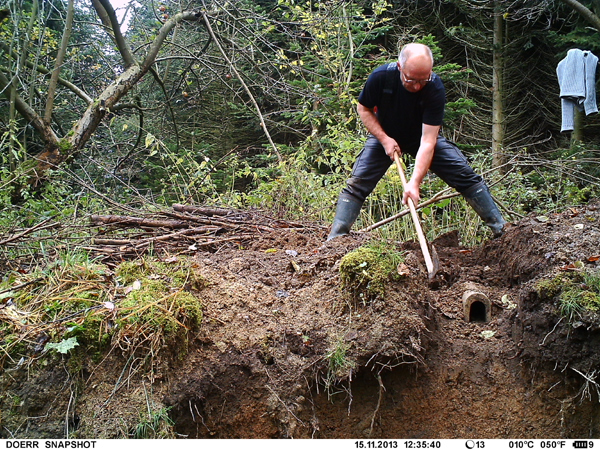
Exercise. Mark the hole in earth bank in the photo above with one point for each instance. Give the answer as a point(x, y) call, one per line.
point(476, 307)
point(478, 312)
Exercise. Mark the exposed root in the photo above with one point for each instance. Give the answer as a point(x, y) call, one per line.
point(381, 390)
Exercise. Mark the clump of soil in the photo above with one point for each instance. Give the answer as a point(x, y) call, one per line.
point(283, 351)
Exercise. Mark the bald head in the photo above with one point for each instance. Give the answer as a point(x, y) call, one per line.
point(416, 56)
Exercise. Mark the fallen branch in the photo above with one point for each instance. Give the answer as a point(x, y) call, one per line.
point(126, 221)
point(201, 210)
point(167, 237)
point(39, 226)
point(185, 229)
point(436, 198)
point(20, 286)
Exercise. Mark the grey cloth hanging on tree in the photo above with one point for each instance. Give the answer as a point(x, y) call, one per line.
point(577, 80)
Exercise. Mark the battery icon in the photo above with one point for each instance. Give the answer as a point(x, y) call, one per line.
point(580, 444)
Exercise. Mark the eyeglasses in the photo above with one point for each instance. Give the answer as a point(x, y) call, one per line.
point(411, 81)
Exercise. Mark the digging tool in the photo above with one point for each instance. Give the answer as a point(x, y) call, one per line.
point(431, 263)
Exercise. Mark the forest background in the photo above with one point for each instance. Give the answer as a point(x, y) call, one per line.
point(110, 108)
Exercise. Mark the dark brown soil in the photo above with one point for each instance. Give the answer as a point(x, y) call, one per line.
point(259, 367)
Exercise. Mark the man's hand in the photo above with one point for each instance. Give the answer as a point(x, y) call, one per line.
point(370, 121)
point(391, 146)
point(411, 190)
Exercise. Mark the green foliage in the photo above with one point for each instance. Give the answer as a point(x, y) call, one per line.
point(583, 37)
point(63, 346)
point(366, 271)
point(566, 177)
point(325, 63)
point(294, 191)
point(456, 109)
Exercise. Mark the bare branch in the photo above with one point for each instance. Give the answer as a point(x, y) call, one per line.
point(237, 74)
point(41, 69)
point(584, 12)
point(28, 112)
point(58, 63)
point(116, 29)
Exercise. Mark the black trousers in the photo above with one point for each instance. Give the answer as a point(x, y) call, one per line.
point(372, 163)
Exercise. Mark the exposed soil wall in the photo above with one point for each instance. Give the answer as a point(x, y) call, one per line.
point(414, 366)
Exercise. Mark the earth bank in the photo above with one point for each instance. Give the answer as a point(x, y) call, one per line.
point(283, 351)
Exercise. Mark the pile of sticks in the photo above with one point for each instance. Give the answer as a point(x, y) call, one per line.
point(185, 229)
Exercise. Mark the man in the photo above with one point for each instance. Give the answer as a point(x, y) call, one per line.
point(407, 118)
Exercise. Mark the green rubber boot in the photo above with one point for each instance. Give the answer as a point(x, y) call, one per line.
point(346, 213)
point(480, 199)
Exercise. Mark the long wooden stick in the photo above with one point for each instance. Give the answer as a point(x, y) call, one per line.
point(415, 217)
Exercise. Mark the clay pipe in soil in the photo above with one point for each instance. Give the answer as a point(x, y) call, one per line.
point(432, 267)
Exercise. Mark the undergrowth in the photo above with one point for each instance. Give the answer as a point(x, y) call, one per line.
point(154, 425)
point(340, 366)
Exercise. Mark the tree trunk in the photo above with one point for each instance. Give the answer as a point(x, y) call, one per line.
point(498, 157)
point(59, 61)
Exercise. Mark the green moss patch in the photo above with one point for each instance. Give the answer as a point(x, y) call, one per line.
point(576, 292)
point(159, 308)
point(76, 306)
point(366, 271)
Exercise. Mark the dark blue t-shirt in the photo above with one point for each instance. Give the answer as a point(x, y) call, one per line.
point(408, 111)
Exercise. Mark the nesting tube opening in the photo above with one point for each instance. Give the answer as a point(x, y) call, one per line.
point(476, 307)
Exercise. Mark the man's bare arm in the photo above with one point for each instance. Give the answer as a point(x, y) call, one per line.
point(370, 121)
point(422, 163)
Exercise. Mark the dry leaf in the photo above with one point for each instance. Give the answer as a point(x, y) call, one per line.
point(403, 270)
point(296, 266)
point(577, 265)
point(594, 258)
point(137, 285)
point(171, 259)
